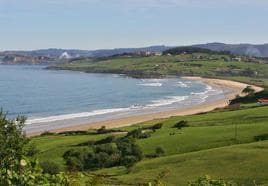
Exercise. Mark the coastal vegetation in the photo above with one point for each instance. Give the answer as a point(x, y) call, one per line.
point(183, 149)
point(186, 62)
point(229, 144)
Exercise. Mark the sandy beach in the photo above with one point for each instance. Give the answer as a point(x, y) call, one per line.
point(235, 87)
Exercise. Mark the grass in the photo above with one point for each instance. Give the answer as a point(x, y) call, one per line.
point(207, 146)
point(243, 164)
point(159, 66)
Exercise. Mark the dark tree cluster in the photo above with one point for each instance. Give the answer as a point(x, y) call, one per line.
point(108, 153)
point(181, 124)
point(191, 50)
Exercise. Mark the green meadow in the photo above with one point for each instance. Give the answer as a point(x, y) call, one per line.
point(220, 144)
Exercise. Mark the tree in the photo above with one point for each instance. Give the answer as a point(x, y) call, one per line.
point(16, 167)
point(159, 151)
point(248, 90)
point(157, 126)
point(50, 167)
point(181, 124)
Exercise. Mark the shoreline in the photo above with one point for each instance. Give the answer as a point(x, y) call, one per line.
point(235, 87)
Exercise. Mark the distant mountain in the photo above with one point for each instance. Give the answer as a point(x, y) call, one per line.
point(240, 49)
point(58, 53)
point(54, 55)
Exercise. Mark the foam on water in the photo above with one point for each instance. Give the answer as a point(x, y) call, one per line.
point(73, 116)
point(182, 84)
point(152, 84)
point(167, 101)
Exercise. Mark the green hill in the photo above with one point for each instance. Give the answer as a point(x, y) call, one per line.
point(221, 144)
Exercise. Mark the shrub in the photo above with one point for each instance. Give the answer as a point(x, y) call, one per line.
point(75, 158)
point(104, 155)
point(139, 134)
point(109, 148)
point(129, 161)
point(47, 133)
point(109, 139)
point(261, 137)
point(159, 151)
point(181, 124)
point(50, 167)
point(87, 143)
point(136, 133)
point(208, 181)
point(157, 126)
point(31, 150)
point(248, 90)
point(104, 130)
point(73, 133)
point(145, 135)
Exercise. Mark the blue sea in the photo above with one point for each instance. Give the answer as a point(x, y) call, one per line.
point(54, 99)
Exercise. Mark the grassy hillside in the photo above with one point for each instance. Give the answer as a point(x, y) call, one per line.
point(243, 164)
point(197, 64)
point(189, 152)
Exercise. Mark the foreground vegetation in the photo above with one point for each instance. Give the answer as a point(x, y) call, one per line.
point(224, 144)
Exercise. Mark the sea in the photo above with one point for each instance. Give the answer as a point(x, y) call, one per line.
point(54, 99)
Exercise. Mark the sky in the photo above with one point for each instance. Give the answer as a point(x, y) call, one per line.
point(99, 24)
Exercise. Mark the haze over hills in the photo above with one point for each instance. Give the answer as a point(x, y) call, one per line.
point(53, 55)
point(240, 49)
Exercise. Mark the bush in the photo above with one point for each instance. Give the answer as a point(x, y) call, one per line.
point(157, 126)
point(31, 150)
point(104, 155)
point(50, 167)
point(73, 133)
point(139, 134)
point(129, 161)
point(136, 133)
point(109, 139)
point(208, 181)
point(181, 124)
point(75, 159)
point(159, 151)
point(248, 90)
point(87, 143)
point(47, 133)
point(261, 137)
point(103, 130)
point(109, 148)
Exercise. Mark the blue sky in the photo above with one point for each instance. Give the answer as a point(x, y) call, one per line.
point(95, 24)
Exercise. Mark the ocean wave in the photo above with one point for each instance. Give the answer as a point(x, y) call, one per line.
point(207, 90)
point(74, 116)
point(167, 101)
point(155, 103)
point(181, 84)
point(152, 84)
